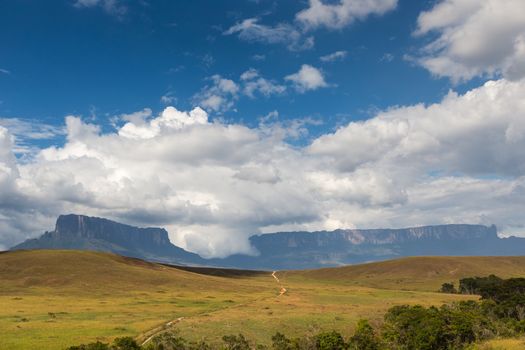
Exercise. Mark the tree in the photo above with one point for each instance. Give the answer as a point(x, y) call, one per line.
point(167, 341)
point(236, 342)
point(448, 288)
point(330, 341)
point(92, 346)
point(199, 346)
point(364, 337)
point(125, 343)
point(280, 342)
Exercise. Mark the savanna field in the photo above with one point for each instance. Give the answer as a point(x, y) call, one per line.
point(55, 299)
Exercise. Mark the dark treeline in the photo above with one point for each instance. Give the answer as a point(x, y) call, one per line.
point(499, 313)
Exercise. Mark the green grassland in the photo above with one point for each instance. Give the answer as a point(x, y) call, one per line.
point(416, 273)
point(52, 299)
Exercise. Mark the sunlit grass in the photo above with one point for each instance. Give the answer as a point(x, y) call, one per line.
point(52, 299)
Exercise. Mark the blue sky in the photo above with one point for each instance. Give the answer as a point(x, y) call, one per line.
point(223, 119)
point(84, 60)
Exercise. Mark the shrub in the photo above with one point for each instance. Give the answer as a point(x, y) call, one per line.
point(330, 341)
point(236, 342)
point(125, 343)
point(92, 346)
point(448, 288)
point(364, 337)
point(280, 342)
point(167, 341)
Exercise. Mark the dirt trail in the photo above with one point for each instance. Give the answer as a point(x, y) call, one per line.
point(157, 330)
point(274, 276)
point(283, 290)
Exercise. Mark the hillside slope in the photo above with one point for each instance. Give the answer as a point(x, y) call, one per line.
point(51, 298)
point(416, 273)
point(89, 272)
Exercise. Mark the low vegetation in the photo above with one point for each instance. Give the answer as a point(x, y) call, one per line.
point(53, 299)
point(456, 326)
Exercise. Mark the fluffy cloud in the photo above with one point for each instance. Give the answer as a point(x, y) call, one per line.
point(25, 132)
point(170, 119)
point(250, 30)
point(478, 133)
point(253, 83)
point(318, 14)
point(213, 184)
point(8, 170)
point(335, 56)
point(219, 96)
point(307, 78)
point(18, 217)
point(474, 38)
point(343, 12)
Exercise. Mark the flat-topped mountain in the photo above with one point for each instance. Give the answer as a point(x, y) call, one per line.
point(303, 250)
point(282, 250)
point(92, 233)
point(335, 239)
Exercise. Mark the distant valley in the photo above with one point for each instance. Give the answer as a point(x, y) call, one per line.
point(282, 250)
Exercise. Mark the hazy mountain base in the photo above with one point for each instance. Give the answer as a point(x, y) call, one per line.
point(283, 250)
point(307, 250)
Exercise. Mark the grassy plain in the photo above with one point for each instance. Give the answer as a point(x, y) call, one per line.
point(52, 299)
point(501, 344)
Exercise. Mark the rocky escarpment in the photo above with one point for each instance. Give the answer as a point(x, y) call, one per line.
point(282, 250)
point(299, 250)
point(92, 233)
point(341, 239)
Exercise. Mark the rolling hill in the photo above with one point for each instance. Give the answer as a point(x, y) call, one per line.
point(416, 273)
point(54, 298)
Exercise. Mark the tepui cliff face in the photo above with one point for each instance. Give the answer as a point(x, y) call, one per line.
point(282, 250)
point(80, 226)
point(92, 233)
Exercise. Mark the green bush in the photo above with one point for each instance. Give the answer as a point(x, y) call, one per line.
point(125, 343)
point(448, 288)
point(280, 342)
point(364, 337)
point(235, 342)
point(330, 341)
point(91, 346)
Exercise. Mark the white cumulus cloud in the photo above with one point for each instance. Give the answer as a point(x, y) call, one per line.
point(341, 13)
point(251, 30)
point(219, 96)
point(307, 78)
point(213, 184)
point(474, 38)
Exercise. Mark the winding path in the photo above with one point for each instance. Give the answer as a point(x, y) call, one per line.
point(283, 290)
point(159, 329)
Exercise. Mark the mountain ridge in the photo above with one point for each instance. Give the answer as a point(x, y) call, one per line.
point(82, 232)
point(282, 250)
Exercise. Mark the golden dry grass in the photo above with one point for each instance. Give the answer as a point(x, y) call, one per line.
point(417, 273)
point(52, 299)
